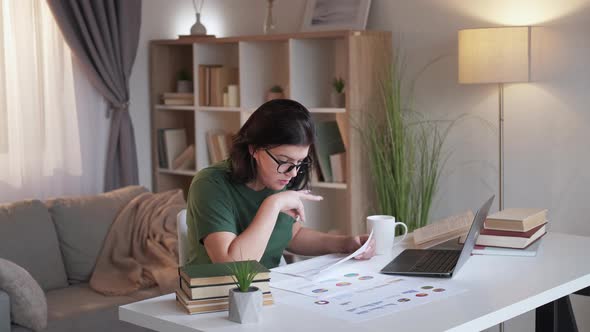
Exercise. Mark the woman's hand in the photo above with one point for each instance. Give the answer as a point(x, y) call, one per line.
point(355, 242)
point(291, 202)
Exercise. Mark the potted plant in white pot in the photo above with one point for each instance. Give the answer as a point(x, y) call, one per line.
point(245, 301)
point(275, 92)
point(337, 97)
point(184, 84)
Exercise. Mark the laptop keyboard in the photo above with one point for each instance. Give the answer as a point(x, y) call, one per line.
point(436, 261)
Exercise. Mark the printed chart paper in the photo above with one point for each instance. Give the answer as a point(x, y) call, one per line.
point(350, 281)
point(367, 296)
point(312, 268)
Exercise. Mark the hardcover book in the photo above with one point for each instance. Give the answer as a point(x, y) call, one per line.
point(508, 239)
point(529, 251)
point(214, 305)
point(218, 290)
point(516, 219)
point(217, 273)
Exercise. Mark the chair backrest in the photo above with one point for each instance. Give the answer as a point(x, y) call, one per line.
point(182, 230)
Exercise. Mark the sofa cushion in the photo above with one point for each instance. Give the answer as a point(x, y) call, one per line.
point(94, 321)
point(28, 238)
point(74, 300)
point(82, 224)
point(28, 306)
point(18, 328)
point(77, 299)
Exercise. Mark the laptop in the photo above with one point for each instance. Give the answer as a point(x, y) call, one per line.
point(436, 262)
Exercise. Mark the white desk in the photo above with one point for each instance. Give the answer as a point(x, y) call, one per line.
point(498, 288)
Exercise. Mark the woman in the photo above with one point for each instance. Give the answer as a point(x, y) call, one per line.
point(251, 205)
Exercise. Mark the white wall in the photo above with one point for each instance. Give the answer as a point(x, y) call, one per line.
point(547, 122)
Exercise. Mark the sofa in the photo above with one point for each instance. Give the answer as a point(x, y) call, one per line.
point(57, 242)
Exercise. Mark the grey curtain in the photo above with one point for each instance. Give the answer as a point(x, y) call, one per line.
point(103, 36)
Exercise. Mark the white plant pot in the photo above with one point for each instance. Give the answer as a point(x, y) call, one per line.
point(184, 86)
point(245, 307)
point(337, 99)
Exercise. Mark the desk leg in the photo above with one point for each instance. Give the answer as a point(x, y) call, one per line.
point(556, 316)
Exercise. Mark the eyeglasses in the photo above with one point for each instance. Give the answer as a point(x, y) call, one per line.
point(286, 167)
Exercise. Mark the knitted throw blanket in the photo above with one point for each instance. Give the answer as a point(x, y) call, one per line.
point(140, 250)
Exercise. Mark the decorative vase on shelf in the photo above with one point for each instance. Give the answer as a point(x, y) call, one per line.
point(269, 21)
point(245, 307)
point(198, 28)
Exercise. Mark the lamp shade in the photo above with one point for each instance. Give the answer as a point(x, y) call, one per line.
point(494, 55)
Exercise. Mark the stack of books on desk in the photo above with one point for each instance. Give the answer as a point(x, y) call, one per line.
point(205, 287)
point(513, 232)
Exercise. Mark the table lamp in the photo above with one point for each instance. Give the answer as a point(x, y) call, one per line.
point(495, 55)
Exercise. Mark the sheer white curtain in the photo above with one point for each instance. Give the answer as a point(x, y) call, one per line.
point(44, 149)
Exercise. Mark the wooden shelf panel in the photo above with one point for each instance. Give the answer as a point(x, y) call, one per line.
point(161, 107)
point(329, 185)
point(220, 109)
point(327, 110)
point(273, 37)
point(186, 172)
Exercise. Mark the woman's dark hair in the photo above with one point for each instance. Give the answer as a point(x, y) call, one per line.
point(276, 122)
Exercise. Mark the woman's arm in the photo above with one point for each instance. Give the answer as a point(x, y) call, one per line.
point(309, 242)
point(251, 243)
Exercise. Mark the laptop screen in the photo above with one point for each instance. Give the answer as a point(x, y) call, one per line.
point(478, 220)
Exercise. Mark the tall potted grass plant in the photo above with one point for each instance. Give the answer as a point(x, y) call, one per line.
point(405, 152)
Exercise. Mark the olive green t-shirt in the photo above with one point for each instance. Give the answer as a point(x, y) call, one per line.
point(218, 204)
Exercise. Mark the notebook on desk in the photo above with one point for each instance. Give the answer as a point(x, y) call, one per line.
point(438, 263)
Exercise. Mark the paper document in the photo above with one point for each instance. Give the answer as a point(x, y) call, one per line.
point(385, 297)
point(344, 280)
point(313, 267)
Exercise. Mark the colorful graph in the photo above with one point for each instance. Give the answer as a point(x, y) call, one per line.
point(319, 290)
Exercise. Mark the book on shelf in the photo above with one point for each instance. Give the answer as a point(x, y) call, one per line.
point(444, 229)
point(217, 273)
point(186, 160)
point(213, 305)
point(338, 166)
point(220, 78)
point(213, 80)
point(178, 95)
point(509, 239)
point(529, 251)
point(217, 291)
point(177, 98)
point(162, 158)
point(174, 143)
point(516, 219)
point(329, 142)
point(219, 145)
point(178, 102)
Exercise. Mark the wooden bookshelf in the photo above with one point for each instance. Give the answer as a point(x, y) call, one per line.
point(304, 64)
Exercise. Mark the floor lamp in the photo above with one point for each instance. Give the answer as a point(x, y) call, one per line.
point(495, 55)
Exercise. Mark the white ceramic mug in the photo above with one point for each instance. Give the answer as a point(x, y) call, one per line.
point(383, 228)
